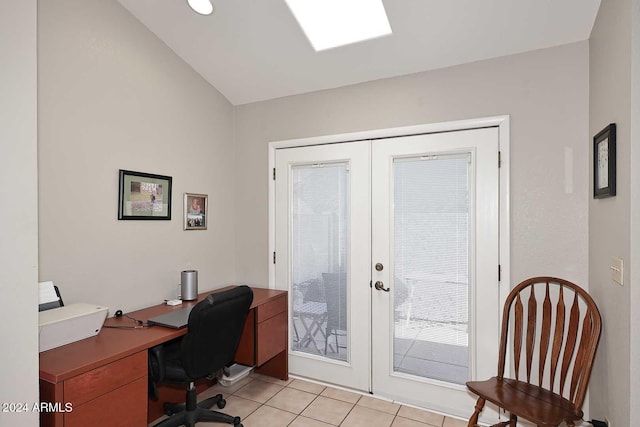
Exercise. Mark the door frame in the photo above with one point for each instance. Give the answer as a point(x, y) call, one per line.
point(503, 124)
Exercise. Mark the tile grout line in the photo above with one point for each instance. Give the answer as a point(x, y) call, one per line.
point(234, 394)
point(300, 414)
point(354, 405)
point(316, 395)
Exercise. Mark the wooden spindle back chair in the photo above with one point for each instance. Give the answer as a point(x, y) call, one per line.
point(561, 336)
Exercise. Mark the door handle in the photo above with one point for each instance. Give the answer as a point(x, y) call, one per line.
point(380, 286)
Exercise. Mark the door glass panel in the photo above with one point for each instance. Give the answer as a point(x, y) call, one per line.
point(431, 266)
point(319, 210)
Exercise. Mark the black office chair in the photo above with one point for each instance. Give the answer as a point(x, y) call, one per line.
point(215, 328)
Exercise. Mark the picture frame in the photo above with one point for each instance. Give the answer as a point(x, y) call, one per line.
point(144, 196)
point(604, 162)
point(195, 211)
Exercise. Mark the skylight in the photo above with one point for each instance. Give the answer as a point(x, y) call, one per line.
point(333, 23)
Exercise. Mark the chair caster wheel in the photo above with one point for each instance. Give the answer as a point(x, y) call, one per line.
point(236, 422)
point(221, 403)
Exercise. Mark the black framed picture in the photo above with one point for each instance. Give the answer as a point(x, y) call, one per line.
point(604, 162)
point(144, 196)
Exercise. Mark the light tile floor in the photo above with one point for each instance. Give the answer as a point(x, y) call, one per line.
point(267, 402)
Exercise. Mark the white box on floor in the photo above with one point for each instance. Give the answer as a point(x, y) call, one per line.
point(236, 373)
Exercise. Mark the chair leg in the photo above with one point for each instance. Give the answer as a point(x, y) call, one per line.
point(192, 412)
point(512, 422)
point(207, 415)
point(172, 408)
point(295, 330)
point(326, 341)
point(473, 421)
point(208, 403)
point(173, 421)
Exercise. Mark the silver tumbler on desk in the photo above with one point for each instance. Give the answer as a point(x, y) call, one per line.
point(189, 285)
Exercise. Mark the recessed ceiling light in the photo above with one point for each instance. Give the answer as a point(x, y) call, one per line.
point(332, 23)
point(203, 7)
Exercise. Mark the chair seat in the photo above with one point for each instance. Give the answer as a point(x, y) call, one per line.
point(530, 402)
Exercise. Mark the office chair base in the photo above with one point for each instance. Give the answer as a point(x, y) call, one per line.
point(217, 399)
point(174, 408)
point(192, 412)
point(190, 418)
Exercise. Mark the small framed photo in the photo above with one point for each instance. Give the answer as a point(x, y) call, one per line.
point(604, 162)
point(144, 196)
point(195, 211)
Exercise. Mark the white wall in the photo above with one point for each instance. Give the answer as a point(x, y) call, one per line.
point(546, 94)
point(19, 213)
point(635, 212)
point(609, 219)
point(113, 96)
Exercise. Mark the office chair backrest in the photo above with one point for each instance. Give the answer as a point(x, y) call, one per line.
point(214, 331)
point(555, 328)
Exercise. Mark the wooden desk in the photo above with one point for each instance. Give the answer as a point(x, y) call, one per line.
point(105, 377)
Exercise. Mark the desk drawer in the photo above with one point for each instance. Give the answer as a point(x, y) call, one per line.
point(123, 407)
point(270, 309)
point(271, 338)
point(99, 381)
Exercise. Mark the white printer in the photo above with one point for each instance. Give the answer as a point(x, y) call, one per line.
point(65, 324)
point(73, 322)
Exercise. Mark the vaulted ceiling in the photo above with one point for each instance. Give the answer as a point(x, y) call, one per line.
point(253, 50)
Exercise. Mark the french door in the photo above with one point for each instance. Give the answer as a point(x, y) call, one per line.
point(389, 251)
point(323, 226)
